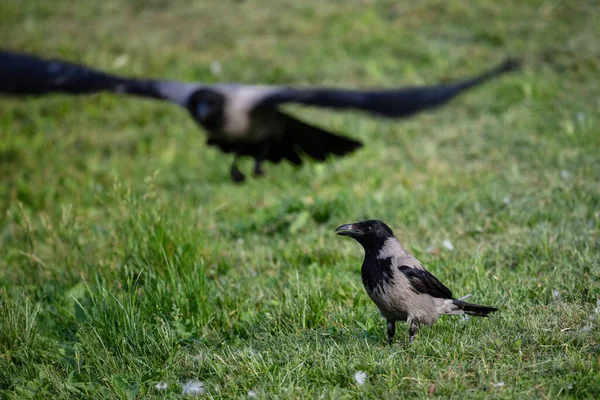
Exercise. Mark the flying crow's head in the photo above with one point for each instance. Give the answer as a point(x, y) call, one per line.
point(207, 106)
point(372, 233)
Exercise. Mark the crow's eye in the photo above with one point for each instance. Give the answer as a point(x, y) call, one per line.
point(368, 229)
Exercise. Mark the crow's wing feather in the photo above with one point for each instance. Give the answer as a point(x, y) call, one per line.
point(422, 281)
point(393, 103)
point(24, 74)
point(177, 92)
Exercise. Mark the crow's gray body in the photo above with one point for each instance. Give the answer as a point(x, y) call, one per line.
point(401, 302)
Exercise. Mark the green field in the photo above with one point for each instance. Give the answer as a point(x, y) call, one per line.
point(128, 258)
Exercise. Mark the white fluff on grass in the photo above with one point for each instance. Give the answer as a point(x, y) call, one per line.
point(360, 377)
point(556, 295)
point(448, 244)
point(193, 388)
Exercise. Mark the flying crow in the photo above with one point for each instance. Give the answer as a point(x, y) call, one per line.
point(399, 284)
point(239, 119)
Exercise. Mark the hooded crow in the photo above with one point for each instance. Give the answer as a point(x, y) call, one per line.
point(240, 119)
point(399, 284)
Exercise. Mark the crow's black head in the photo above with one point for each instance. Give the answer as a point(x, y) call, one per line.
point(372, 234)
point(207, 108)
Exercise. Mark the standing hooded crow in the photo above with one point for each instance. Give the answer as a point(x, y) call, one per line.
point(399, 284)
point(239, 119)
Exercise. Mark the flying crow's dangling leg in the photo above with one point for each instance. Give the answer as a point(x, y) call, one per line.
point(412, 331)
point(236, 175)
point(260, 158)
point(391, 330)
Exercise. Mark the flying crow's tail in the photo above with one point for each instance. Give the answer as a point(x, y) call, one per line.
point(23, 74)
point(301, 138)
point(474, 309)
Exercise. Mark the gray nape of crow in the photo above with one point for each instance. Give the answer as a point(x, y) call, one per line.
point(399, 284)
point(240, 119)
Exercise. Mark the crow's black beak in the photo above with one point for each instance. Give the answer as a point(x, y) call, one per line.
point(349, 230)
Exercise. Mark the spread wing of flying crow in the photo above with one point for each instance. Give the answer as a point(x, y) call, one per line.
point(241, 119)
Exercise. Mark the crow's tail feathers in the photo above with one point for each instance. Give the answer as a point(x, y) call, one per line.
point(474, 309)
point(301, 138)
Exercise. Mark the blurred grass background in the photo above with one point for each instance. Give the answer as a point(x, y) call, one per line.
point(128, 258)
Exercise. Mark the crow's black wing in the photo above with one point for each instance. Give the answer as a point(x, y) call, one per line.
point(24, 74)
point(393, 103)
point(422, 281)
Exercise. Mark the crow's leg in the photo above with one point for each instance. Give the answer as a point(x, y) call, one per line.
point(391, 330)
point(412, 331)
point(260, 158)
point(234, 172)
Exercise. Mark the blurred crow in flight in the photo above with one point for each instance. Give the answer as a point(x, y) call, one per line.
point(240, 119)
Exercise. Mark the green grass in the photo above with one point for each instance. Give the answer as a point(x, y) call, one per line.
point(127, 257)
